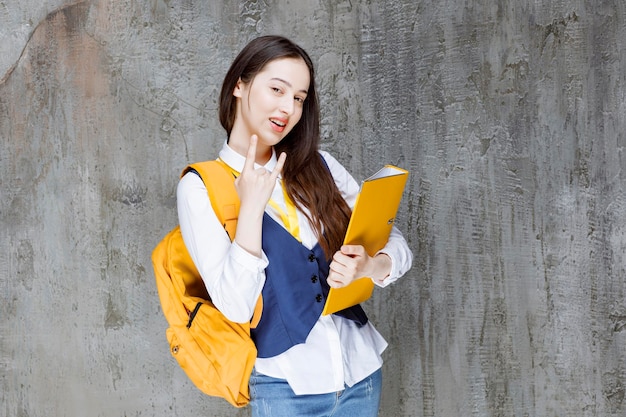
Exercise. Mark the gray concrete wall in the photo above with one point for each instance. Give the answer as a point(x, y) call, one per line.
point(511, 116)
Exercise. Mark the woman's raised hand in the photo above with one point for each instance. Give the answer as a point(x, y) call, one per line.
point(255, 185)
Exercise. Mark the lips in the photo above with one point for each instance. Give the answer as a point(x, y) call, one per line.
point(278, 124)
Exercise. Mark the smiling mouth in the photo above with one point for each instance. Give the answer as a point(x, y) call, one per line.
point(278, 125)
point(278, 122)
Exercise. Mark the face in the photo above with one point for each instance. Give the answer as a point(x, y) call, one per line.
point(270, 105)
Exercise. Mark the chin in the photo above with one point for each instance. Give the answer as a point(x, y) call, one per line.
point(273, 139)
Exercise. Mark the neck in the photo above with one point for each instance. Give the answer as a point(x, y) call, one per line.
point(240, 145)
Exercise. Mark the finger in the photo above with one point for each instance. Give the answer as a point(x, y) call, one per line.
point(334, 280)
point(337, 280)
point(333, 284)
point(346, 266)
point(352, 250)
point(341, 258)
point(337, 270)
point(278, 169)
point(251, 156)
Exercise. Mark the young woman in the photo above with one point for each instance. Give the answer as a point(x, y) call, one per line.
point(295, 206)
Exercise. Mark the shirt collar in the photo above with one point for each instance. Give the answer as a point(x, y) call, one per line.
point(236, 161)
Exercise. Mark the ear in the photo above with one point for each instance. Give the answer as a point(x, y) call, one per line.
point(237, 91)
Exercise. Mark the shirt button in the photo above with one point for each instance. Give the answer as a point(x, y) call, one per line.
point(318, 298)
point(311, 258)
point(314, 279)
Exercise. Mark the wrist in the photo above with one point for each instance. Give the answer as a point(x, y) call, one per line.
point(382, 267)
point(250, 212)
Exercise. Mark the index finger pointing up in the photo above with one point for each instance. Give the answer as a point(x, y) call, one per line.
point(251, 156)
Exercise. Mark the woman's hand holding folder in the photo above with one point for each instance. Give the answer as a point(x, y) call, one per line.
point(352, 262)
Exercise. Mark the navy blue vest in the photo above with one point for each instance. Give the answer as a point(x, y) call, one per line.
point(294, 293)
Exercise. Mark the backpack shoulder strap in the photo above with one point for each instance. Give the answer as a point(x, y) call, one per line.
point(219, 181)
point(220, 184)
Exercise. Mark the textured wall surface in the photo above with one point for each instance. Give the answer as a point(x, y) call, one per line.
point(511, 116)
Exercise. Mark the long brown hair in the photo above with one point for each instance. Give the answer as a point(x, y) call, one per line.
point(307, 178)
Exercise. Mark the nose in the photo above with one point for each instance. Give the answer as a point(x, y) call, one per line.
point(287, 105)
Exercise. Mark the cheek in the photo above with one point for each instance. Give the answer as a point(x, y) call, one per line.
point(297, 116)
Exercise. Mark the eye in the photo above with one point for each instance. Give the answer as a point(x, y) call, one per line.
point(276, 90)
point(299, 100)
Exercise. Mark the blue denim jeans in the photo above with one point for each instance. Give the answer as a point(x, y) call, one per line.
point(272, 397)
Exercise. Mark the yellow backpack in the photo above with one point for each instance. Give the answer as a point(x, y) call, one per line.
point(216, 354)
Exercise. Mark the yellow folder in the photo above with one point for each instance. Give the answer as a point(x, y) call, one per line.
point(372, 218)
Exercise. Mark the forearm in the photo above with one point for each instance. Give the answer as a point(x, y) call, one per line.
point(249, 230)
point(380, 267)
point(400, 256)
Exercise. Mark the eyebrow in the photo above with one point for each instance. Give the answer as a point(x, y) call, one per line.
point(288, 84)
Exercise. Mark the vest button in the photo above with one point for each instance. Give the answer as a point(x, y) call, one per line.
point(314, 279)
point(318, 298)
point(311, 258)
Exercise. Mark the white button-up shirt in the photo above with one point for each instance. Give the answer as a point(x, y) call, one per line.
point(337, 351)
